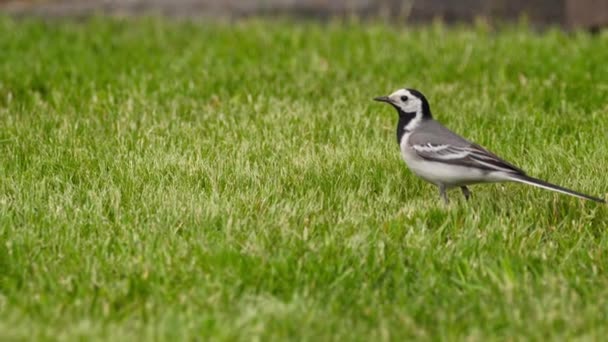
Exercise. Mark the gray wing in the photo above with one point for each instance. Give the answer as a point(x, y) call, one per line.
point(432, 141)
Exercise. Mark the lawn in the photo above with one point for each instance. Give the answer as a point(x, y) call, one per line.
point(234, 181)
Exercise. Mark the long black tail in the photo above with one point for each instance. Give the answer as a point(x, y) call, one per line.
point(546, 185)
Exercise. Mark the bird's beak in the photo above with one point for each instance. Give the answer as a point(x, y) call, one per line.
point(382, 99)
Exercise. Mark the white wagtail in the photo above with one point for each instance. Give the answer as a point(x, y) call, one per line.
point(446, 159)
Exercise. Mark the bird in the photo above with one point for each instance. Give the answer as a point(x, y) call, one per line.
point(447, 160)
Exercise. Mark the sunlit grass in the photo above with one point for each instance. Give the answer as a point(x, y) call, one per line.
point(165, 180)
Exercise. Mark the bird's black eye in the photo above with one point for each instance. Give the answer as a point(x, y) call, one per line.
point(404, 98)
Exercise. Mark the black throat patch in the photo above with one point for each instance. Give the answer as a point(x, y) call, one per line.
point(404, 119)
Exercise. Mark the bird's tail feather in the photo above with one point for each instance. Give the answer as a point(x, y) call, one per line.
point(548, 186)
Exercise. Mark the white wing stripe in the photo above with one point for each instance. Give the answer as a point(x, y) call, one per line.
point(445, 152)
point(449, 152)
point(431, 148)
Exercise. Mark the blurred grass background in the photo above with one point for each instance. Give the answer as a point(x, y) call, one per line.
point(164, 179)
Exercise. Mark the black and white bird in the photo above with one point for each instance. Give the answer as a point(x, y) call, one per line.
point(442, 157)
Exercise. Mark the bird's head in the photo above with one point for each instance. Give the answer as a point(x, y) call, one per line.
point(408, 102)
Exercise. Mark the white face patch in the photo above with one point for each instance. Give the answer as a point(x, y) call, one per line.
point(406, 101)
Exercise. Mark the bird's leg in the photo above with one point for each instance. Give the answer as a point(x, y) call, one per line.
point(443, 193)
point(466, 192)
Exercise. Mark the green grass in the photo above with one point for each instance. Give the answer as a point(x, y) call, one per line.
point(177, 180)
